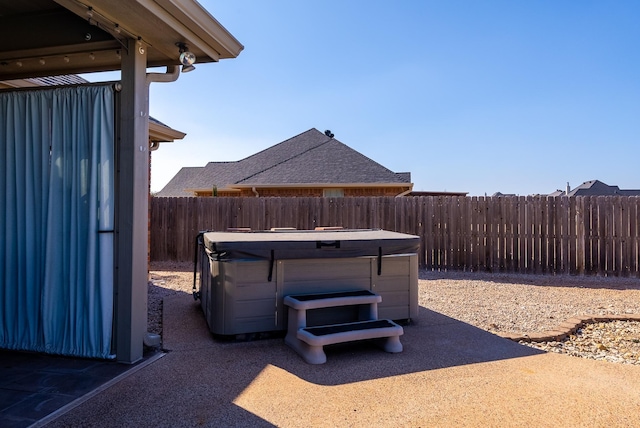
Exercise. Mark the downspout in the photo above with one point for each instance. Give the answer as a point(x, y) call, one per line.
point(171, 75)
point(255, 192)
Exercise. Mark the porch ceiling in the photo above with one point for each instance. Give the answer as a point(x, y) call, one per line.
point(47, 37)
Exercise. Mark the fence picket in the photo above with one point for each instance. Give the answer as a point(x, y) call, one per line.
point(634, 233)
point(580, 236)
point(521, 254)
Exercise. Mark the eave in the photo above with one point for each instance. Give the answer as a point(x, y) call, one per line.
point(159, 133)
point(88, 35)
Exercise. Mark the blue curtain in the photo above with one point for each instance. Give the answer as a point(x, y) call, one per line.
point(57, 220)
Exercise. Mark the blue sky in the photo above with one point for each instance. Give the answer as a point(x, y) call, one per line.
point(474, 96)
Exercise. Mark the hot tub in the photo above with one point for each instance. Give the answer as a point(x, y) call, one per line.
point(244, 276)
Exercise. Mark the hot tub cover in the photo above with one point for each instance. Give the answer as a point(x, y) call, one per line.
point(305, 244)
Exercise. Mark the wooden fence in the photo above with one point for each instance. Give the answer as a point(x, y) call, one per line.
point(541, 235)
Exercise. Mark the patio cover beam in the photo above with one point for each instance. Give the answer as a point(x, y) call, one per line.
point(132, 183)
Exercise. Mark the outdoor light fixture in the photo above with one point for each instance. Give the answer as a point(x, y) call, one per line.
point(186, 58)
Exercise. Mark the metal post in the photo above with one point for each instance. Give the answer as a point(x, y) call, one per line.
point(132, 186)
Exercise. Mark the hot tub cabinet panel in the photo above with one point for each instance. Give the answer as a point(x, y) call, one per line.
point(398, 286)
point(237, 299)
point(245, 295)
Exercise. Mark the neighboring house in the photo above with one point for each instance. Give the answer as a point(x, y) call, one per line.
point(595, 188)
point(310, 164)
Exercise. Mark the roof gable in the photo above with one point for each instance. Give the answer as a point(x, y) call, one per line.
point(329, 162)
point(281, 152)
point(594, 187)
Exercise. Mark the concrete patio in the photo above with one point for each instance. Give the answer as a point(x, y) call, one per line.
point(449, 374)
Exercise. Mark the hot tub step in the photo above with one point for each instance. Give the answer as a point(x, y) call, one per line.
point(327, 300)
point(309, 341)
point(301, 305)
point(329, 334)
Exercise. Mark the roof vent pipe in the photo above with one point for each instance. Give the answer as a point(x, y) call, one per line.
point(568, 189)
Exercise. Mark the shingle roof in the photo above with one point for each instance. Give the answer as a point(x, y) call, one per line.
point(310, 157)
point(181, 181)
point(597, 188)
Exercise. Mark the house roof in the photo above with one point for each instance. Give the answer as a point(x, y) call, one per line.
point(596, 188)
point(310, 158)
point(87, 35)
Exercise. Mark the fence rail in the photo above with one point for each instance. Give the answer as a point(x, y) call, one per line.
point(583, 235)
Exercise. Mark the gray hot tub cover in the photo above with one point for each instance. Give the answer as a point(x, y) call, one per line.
point(306, 244)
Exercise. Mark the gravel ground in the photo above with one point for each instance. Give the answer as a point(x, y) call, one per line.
point(507, 303)
point(525, 303)
point(499, 303)
point(613, 341)
point(166, 279)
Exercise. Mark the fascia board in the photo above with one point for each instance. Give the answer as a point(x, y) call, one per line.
point(192, 24)
point(206, 26)
point(164, 134)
